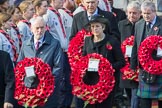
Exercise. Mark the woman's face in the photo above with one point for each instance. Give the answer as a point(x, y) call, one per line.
point(43, 8)
point(97, 28)
point(7, 24)
point(29, 12)
point(16, 15)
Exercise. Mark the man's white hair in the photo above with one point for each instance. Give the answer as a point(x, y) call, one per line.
point(37, 19)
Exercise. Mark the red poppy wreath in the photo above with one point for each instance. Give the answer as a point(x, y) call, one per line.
point(127, 73)
point(75, 47)
point(99, 91)
point(36, 96)
point(145, 52)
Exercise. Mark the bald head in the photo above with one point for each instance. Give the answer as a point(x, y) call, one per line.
point(38, 27)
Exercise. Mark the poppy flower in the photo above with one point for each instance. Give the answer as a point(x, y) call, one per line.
point(99, 91)
point(108, 46)
point(148, 63)
point(36, 96)
point(127, 73)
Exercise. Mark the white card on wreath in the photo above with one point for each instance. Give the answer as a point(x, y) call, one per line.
point(30, 71)
point(128, 50)
point(159, 51)
point(93, 64)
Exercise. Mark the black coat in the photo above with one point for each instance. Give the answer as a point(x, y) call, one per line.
point(119, 14)
point(125, 29)
point(7, 79)
point(114, 56)
point(80, 21)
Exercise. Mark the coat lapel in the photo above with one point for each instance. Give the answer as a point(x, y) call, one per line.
point(155, 28)
point(84, 19)
point(141, 30)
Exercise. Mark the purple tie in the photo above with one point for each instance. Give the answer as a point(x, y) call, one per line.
point(37, 45)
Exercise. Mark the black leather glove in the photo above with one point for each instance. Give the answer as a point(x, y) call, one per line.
point(31, 82)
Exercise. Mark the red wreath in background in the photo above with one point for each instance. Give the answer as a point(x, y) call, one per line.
point(35, 96)
point(93, 93)
point(146, 49)
point(75, 47)
point(127, 73)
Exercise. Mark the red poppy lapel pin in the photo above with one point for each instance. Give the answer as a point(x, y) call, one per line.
point(108, 46)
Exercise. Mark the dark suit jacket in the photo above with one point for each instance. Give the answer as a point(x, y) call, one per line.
point(120, 14)
point(139, 37)
point(125, 28)
point(7, 78)
point(80, 21)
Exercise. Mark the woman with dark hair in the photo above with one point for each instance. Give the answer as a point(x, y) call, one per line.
point(97, 44)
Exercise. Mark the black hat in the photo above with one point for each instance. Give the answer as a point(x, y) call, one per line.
point(98, 18)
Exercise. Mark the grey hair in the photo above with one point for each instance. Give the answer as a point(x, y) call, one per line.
point(134, 4)
point(36, 19)
point(148, 4)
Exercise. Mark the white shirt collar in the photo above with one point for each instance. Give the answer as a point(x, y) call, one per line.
point(153, 22)
point(40, 40)
point(89, 15)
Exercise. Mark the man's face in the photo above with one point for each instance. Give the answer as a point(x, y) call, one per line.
point(133, 14)
point(38, 29)
point(90, 5)
point(148, 14)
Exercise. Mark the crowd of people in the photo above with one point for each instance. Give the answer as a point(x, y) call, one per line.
point(44, 29)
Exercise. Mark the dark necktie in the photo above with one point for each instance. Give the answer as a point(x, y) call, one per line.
point(107, 5)
point(37, 45)
point(148, 26)
point(132, 29)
